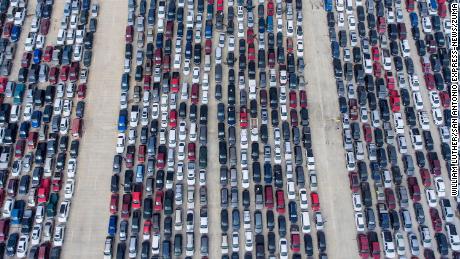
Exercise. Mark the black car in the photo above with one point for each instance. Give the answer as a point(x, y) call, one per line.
point(405, 96)
point(308, 243)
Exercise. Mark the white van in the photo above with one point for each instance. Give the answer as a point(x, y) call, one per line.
point(207, 63)
point(306, 227)
point(172, 138)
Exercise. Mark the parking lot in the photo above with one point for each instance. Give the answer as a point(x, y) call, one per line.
point(189, 154)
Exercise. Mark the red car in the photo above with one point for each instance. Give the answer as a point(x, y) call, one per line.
point(57, 180)
point(220, 5)
point(126, 206)
point(442, 10)
point(158, 206)
point(280, 203)
point(353, 108)
point(426, 65)
point(44, 26)
point(377, 68)
point(53, 75)
point(175, 82)
point(194, 95)
point(303, 99)
point(251, 51)
point(445, 99)
point(250, 35)
point(354, 181)
point(19, 148)
point(375, 53)
point(147, 228)
point(426, 178)
point(295, 241)
point(147, 82)
point(289, 45)
point(395, 101)
point(414, 188)
point(269, 196)
point(410, 5)
point(64, 73)
point(191, 150)
point(315, 205)
point(141, 154)
point(114, 203)
point(293, 99)
point(382, 24)
point(161, 159)
point(48, 54)
point(436, 220)
point(129, 34)
point(390, 198)
point(390, 80)
point(137, 199)
point(243, 118)
point(7, 27)
point(81, 91)
point(172, 118)
point(32, 139)
point(25, 61)
point(435, 165)
point(74, 71)
point(294, 118)
point(271, 58)
point(158, 57)
point(429, 80)
point(166, 63)
point(363, 245)
point(367, 132)
point(270, 8)
point(44, 190)
point(208, 47)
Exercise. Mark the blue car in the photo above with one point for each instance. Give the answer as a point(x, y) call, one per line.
point(159, 41)
point(268, 175)
point(112, 230)
point(328, 5)
point(36, 119)
point(15, 33)
point(261, 25)
point(413, 20)
point(122, 121)
point(37, 56)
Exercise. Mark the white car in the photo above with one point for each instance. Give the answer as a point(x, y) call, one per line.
point(426, 25)
point(359, 221)
point(351, 23)
point(283, 248)
point(40, 214)
point(341, 20)
point(244, 143)
point(69, 188)
point(453, 237)
point(437, 117)
point(64, 210)
point(414, 83)
point(120, 143)
point(36, 234)
point(431, 197)
point(425, 236)
point(447, 26)
point(303, 195)
point(388, 244)
point(424, 120)
point(196, 75)
point(418, 101)
point(357, 202)
point(145, 116)
point(434, 99)
point(440, 186)
point(416, 138)
point(58, 238)
point(400, 244)
point(155, 111)
point(300, 48)
point(23, 244)
point(181, 151)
